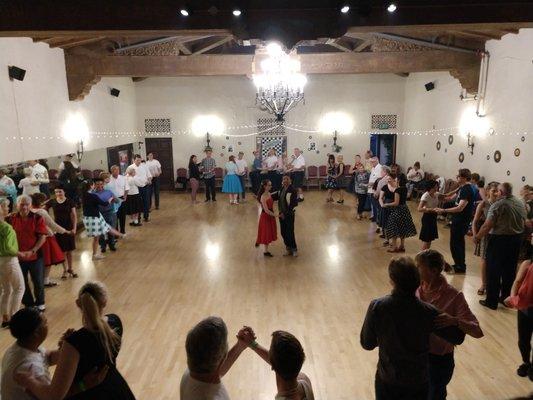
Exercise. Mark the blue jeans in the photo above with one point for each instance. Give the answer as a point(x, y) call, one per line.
point(145, 193)
point(36, 271)
point(440, 374)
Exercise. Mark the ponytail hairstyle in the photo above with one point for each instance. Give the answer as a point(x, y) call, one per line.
point(92, 299)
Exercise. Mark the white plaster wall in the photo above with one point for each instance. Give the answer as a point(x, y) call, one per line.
point(42, 105)
point(508, 109)
point(233, 100)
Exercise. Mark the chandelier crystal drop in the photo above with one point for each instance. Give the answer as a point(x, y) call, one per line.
point(280, 85)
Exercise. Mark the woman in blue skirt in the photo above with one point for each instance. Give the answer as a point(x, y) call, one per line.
point(232, 183)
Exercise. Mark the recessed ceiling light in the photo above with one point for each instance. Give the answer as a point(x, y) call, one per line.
point(184, 12)
point(237, 12)
point(391, 8)
point(345, 9)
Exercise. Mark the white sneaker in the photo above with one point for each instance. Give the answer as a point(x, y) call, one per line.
point(98, 256)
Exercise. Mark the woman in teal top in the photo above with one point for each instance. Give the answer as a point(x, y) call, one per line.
point(11, 279)
point(232, 183)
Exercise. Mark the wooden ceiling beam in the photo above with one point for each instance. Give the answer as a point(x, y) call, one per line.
point(335, 43)
point(212, 46)
point(82, 70)
point(78, 42)
point(484, 36)
point(363, 45)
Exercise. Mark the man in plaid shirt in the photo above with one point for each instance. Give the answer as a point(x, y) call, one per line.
point(207, 167)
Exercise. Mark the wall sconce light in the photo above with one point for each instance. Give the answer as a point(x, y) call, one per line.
point(208, 125)
point(470, 142)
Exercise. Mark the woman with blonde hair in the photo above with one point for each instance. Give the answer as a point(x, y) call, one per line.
point(95, 346)
point(11, 279)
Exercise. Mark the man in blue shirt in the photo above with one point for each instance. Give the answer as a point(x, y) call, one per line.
point(108, 212)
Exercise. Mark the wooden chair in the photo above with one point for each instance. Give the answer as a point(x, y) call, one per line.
point(312, 177)
point(181, 179)
point(322, 175)
point(219, 177)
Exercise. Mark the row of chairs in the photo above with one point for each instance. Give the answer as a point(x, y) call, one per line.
point(315, 176)
point(86, 173)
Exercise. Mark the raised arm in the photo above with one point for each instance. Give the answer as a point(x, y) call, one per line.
point(233, 354)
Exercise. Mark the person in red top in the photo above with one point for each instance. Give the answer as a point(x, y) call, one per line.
point(266, 231)
point(31, 234)
point(435, 290)
point(521, 298)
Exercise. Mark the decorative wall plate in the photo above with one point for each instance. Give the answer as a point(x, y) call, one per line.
point(523, 138)
point(227, 137)
point(497, 156)
point(517, 152)
point(424, 155)
point(523, 179)
point(445, 150)
point(438, 145)
point(461, 157)
point(223, 147)
point(488, 156)
point(239, 143)
point(508, 172)
point(450, 139)
point(318, 152)
point(325, 145)
point(310, 137)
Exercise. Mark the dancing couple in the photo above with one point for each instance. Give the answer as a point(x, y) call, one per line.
point(287, 198)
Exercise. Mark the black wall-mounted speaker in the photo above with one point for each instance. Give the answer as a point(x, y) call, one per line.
point(430, 86)
point(16, 73)
point(115, 92)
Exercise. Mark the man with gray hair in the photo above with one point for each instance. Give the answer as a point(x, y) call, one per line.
point(208, 359)
point(505, 224)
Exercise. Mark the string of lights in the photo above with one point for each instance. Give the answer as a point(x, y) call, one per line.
point(294, 128)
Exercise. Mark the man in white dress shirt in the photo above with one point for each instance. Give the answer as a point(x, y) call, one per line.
point(40, 174)
point(297, 169)
point(375, 174)
point(208, 360)
point(242, 171)
point(119, 186)
point(142, 173)
point(155, 170)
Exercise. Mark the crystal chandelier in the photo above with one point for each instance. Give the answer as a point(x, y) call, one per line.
point(280, 85)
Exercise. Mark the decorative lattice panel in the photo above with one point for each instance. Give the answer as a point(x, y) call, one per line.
point(384, 121)
point(270, 127)
point(278, 143)
point(157, 125)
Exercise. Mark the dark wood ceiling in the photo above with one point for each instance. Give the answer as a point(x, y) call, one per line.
point(142, 39)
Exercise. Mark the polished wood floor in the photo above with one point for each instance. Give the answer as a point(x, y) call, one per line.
point(193, 261)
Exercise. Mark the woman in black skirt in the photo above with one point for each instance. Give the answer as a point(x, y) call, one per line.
point(134, 204)
point(65, 216)
point(399, 222)
point(428, 203)
point(386, 196)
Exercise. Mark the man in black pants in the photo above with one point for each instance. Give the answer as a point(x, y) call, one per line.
point(505, 224)
point(287, 213)
point(461, 212)
point(207, 167)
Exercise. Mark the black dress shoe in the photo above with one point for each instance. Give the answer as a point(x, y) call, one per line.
point(268, 254)
point(112, 248)
point(5, 324)
point(485, 304)
point(459, 270)
point(521, 371)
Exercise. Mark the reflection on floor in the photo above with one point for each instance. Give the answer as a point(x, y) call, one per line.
point(193, 261)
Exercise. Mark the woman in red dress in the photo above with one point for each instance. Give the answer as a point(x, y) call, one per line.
point(267, 231)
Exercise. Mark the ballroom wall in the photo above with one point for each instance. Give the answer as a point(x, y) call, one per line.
point(508, 107)
point(39, 105)
point(233, 100)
